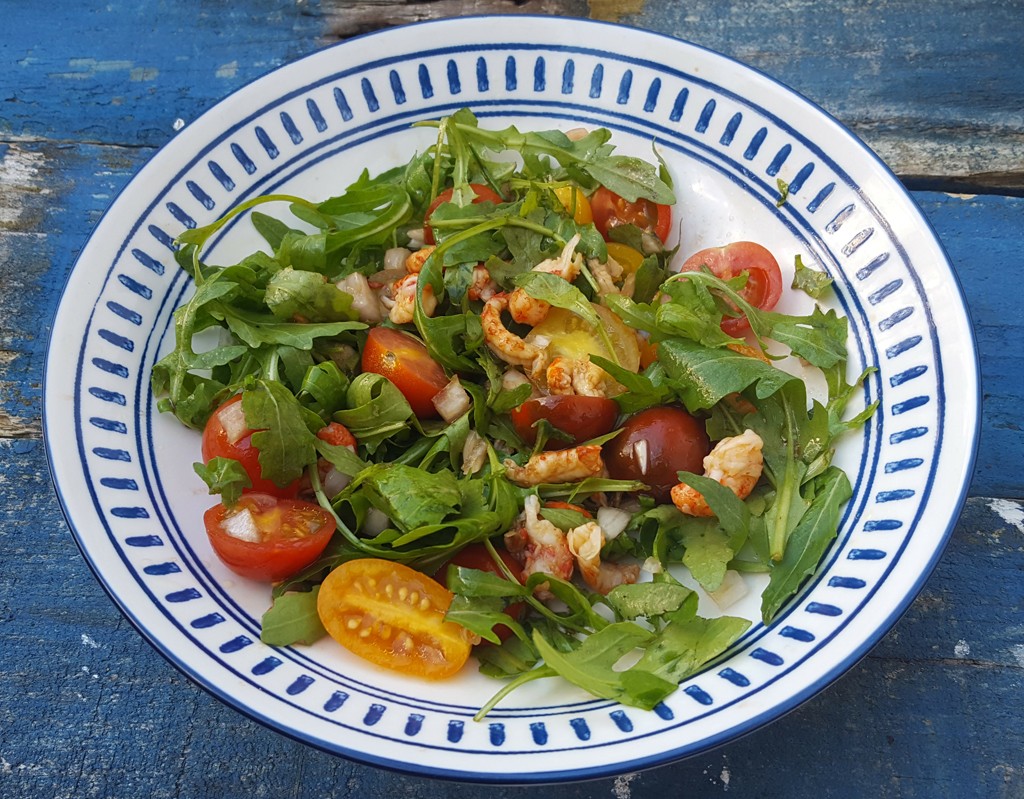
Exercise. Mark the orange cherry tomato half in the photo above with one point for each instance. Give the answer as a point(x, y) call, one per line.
point(393, 616)
point(267, 538)
point(227, 435)
point(476, 556)
point(583, 418)
point(484, 194)
point(404, 361)
point(655, 444)
point(764, 278)
point(610, 209)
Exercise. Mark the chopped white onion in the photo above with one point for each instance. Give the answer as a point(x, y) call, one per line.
point(376, 522)
point(334, 482)
point(394, 258)
point(364, 300)
point(416, 237)
point(652, 566)
point(612, 521)
point(232, 419)
point(242, 525)
point(452, 401)
point(731, 591)
point(512, 379)
point(474, 453)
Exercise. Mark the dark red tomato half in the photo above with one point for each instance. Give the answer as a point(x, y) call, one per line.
point(484, 194)
point(266, 538)
point(583, 418)
point(227, 435)
point(404, 361)
point(609, 210)
point(764, 278)
point(476, 556)
point(655, 444)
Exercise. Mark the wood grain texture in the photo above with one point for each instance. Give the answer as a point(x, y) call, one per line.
point(90, 711)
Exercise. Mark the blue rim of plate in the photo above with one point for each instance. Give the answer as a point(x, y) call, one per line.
point(289, 129)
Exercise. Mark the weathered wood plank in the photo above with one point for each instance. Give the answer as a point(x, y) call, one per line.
point(90, 711)
point(938, 95)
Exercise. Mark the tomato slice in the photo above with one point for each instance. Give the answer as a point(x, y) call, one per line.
point(583, 418)
point(576, 203)
point(476, 556)
point(571, 336)
point(610, 209)
point(626, 257)
point(764, 278)
point(393, 616)
point(404, 361)
point(484, 194)
point(266, 538)
point(655, 444)
point(227, 435)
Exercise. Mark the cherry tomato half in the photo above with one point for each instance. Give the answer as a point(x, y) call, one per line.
point(583, 418)
point(576, 203)
point(227, 435)
point(610, 209)
point(266, 538)
point(655, 444)
point(476, 556)
point(393, 615)
point(484, 194)
point(764, 278)
point(404, 361)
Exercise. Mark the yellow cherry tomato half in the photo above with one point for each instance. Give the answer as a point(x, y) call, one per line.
point(393, 616)
point(571, 336)
point(626, 257)
point(576, 203)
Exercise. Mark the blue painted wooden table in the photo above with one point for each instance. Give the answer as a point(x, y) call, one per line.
point(89, 91)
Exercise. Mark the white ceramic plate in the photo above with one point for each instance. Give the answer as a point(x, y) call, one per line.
point(728, 134)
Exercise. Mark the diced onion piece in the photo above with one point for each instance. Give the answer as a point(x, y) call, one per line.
point(232, 419)
point(612, 521)
point(394, 258)
point(376, 522)
point(652, 566)
point(335, 482)
point(512, 379)
point(416, 237)
point(242, 525)
point(364, 300)
point(452, 401)
point(387, 277)
point(731, 591)
point(474, 453)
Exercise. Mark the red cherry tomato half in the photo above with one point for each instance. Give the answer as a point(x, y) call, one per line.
point(404, 361)
point(609, 210)
point(583, 418)
point(227, 435)
point(476, 556)
point(764, 281)
point(266, 538)
point(483, 193)
point(655, 444)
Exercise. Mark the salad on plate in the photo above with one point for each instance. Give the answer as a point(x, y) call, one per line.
point(480, 405)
